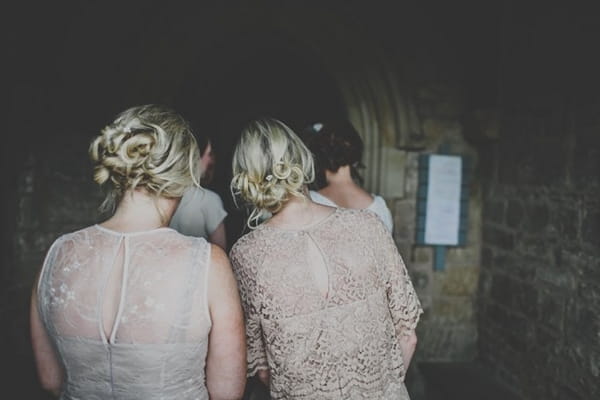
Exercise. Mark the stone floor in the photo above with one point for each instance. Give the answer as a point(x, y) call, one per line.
point(460, 381)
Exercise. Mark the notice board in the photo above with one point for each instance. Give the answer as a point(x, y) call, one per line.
point(442, 200)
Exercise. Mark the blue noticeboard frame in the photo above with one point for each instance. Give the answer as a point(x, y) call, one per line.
point(422, 190)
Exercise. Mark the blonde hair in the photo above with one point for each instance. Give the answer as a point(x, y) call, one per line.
point(150, 147)
point(270, 164)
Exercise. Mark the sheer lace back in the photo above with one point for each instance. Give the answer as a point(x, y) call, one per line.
point(325, 307)
point(128, 312)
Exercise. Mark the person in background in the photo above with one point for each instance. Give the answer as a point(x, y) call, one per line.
point(330, 308)
point(338, 149)
point(130, 308)
point(200, 212)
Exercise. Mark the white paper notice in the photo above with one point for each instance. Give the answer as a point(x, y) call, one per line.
point(443, 200)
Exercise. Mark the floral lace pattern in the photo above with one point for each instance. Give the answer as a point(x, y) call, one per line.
point(340, 346)
point(157, 345)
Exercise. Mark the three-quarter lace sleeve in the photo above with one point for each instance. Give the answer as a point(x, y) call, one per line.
point(403, 302)
point(244, 267)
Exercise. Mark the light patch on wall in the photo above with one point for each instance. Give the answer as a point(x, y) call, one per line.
point(391, 177)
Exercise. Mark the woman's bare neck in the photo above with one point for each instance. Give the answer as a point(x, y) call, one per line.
point(299, 213)
point(343, 191)
point(139, 211)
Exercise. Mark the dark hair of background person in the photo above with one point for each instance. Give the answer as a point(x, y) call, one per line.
point(334, 144)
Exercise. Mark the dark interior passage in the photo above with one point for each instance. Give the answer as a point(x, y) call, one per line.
point(251, 76)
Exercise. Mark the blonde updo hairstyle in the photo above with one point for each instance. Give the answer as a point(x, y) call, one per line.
point(270, 164)
point(150, 147)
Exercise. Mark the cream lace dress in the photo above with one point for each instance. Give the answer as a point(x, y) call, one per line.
point(156, 348)
point(337, 343)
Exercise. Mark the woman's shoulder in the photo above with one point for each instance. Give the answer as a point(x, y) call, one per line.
point(360, 221)
point(319, 198)
point(253, 246)
point(378, 202)
point(252, 239)
point(80, 235)
point(74, 241)
point(379, 207)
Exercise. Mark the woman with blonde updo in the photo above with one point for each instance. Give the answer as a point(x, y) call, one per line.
point(129, 308)
point(330, 309)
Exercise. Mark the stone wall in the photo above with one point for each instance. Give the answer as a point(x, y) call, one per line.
point(539, 317)
point(539, 291)
point(448, 328)
point(52, 198)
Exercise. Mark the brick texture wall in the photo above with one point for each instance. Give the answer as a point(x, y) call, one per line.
point(539, 298)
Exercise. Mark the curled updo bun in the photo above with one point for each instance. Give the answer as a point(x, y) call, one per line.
point(149, 147)
point(270, 164)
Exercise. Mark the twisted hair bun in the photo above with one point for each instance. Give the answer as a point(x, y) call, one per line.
point(147, 146)
point(270, 164)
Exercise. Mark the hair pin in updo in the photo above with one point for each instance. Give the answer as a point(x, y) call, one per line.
point(317, 127)
point(269, 178)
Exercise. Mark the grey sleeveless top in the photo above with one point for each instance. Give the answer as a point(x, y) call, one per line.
point(156, 347)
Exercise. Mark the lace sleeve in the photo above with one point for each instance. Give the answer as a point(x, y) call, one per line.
point(244, 267)
point(403, 302)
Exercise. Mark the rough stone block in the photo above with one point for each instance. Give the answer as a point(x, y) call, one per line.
point(27, 218)
point(537, 217)
point(552, 310)
point(559, 278)
point(453, 309)
point(497, 237)
point(440, 341)
point(486, 257)
point(547, 339)
point(525, 299)
point(494, 211)
point(411, 179)
point(587, 324)
point(437, 130)
point(404, 220)
point(485, 285)
point(462, 256)
point(421, 275)
point(535, 249)
point(391, 180)
point(423, 254)
point(514, 214)
point(461, 281)
point(590, 229)
point(500, 290)
point(566, 220)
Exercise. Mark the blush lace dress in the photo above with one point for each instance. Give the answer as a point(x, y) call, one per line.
point(333, 341)
point(156, 347)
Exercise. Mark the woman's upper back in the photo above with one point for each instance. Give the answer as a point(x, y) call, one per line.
point(160, 321)
point(279, 259)
point(314, 337)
